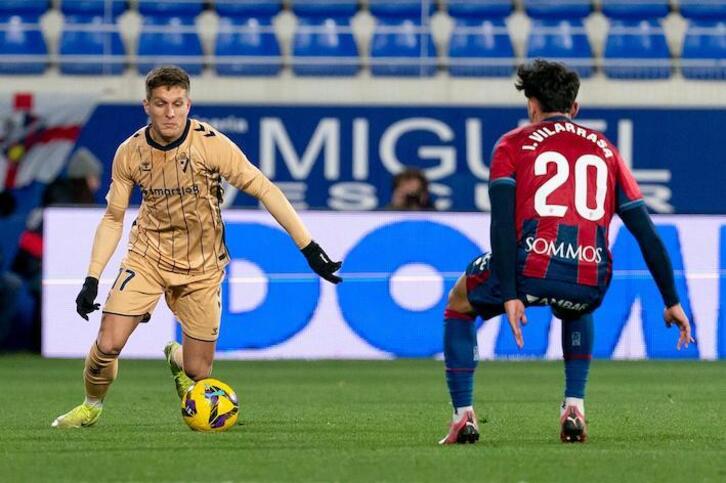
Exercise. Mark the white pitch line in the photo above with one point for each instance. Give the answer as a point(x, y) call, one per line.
point(388, 276)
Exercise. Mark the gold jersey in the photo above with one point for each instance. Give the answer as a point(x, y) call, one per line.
point(179, 225)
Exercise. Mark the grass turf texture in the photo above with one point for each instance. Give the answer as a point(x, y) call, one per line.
point(368, 421)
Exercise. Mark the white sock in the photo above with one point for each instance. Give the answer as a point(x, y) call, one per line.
point(92, 401)
point(579, 403)
point(460, 412)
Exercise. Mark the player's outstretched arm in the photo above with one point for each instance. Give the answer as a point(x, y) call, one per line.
point(234, 166)
point(108, 233)
point(226, 157)
point(638, 221)
point(280, 208)
point(105, 242)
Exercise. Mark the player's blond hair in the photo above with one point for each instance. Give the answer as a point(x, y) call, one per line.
point(167, 76)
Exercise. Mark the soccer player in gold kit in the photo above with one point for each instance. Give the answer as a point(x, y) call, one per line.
point(176, 246)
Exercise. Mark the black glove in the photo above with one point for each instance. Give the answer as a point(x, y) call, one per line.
point(320, 262)
point(86, 297)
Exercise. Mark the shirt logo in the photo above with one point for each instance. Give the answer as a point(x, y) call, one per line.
point(561, 303)
point(581, 253)
point(145, 165)
point(178, 191)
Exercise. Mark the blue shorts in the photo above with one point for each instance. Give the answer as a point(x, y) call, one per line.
point(567, 300)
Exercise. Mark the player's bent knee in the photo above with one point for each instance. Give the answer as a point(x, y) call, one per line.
point(108, 346)
point(458, 302)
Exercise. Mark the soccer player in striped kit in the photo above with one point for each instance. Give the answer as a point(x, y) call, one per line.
point(554, 187)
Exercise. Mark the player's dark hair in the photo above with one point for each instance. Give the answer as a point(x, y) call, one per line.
point(551, 83)
point(411, 173)
point(167, 76)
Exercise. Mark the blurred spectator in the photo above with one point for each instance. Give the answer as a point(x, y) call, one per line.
point(410, 191)
point(83, 179)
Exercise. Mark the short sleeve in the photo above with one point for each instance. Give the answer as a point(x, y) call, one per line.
point(502, 169)
point(628, 191)
point(121, 182)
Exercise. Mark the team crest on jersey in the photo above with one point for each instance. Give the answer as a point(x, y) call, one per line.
point(145, 166)
point(183, 161)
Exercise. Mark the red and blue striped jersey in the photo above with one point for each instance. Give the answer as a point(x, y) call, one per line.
point(569, 181)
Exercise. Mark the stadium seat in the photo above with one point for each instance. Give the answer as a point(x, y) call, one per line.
point(479, 8)
point(635, 10)
point(636, 49)
point(698, 9)
point(480, 43)
point(246, 31)
point(165, 40)
point(480, 47)
point(90, 31)
point(402, 44)
point(563, 9)
point(184, 8)
point(245, 48)
point(704, 50)
point(323, 43)
point(257, 8)
point(22, 46)
point(111, 8)
point(564, 40)
point(23, 7)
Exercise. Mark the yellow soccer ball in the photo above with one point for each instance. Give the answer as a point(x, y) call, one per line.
point(210, 405)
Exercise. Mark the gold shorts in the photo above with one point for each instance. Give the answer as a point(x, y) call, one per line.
point(194, 299)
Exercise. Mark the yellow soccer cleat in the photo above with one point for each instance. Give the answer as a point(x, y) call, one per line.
point(182, 381)
point(81, 416)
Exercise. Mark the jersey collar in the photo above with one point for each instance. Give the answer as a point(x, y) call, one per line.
point(174, 144)
point(556, 118)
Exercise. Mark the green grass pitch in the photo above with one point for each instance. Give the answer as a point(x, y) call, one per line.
point(368, 421)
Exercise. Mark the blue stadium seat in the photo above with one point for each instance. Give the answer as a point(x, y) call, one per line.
point(188, 8)
point(547, 9)
point(698, 9)
point(23, 7)
point(636, 49)
point(247, 46)
point(169, 40)
point(479, 8)
point(480, 47)
point(323, 32)
point(402, 44)
point(22, 46)
point(246, 9)
point(480, 43)
point(401, 8)
point(563, 40)
point(704, 50)
point(635, 10)
point(93, 7)
point(79, 39)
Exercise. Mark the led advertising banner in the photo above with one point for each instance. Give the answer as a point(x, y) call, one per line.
point(398, 269)
point(344, 157)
